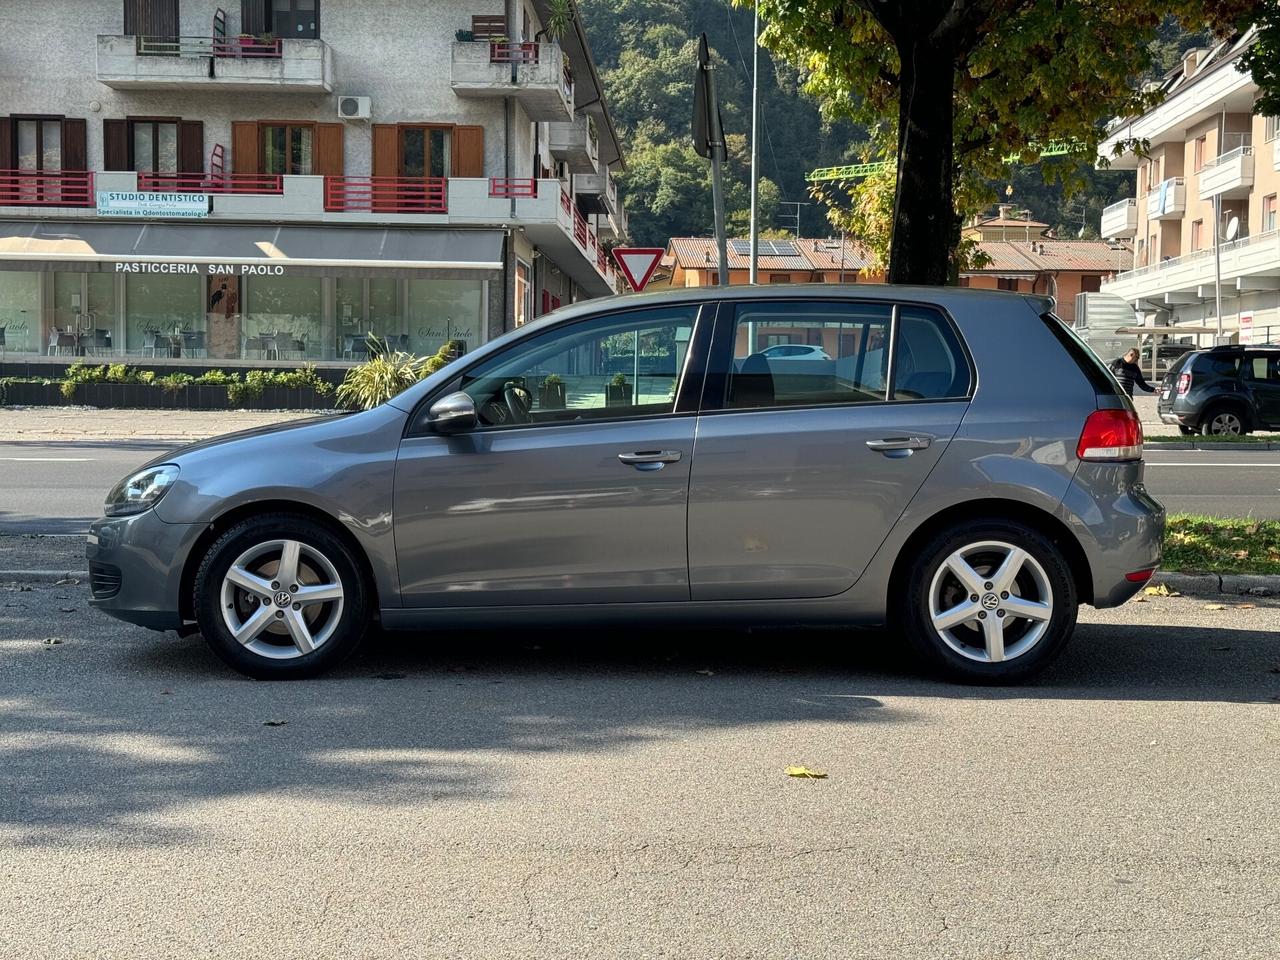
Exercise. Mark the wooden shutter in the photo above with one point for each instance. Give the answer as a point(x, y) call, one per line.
point(245, 155)
point(386, 150)
point(468, 151)
point(8, 160)
point(326, 154)
point(115, 144)
point(253, 17)
point(151, 18)
point(75, 149)
point(190, 146)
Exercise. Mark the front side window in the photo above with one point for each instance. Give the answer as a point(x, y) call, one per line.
point(622, 365)
point(1263, 369)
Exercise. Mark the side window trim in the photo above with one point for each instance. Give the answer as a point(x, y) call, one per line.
point(687, 393)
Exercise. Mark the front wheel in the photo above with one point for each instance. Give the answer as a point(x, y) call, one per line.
point(1223, 422)
point(280, 597)
point(989, 601)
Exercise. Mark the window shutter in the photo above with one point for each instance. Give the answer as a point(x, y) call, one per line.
point(151, 18)
point(386, 142)
point(327, 159)
point(115, 144)
point(74, 145)
point(468, 151)
point(253, 17)
point(190, 146)
point(245, 155)
point(7, 158)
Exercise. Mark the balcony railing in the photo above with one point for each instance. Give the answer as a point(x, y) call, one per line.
point(1229, 157)
point(208, 47)
point(513, 187)
point(386, 194)
point(261, 183)
point(1229, 175)
point(1167, 199)
point(513, 52)
point(46, 188)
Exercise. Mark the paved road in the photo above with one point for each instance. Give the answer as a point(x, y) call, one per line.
point(622, 795)
point(58, 487)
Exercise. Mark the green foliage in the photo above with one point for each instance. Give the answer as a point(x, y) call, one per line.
point(557, 18)
point(1199, 544)
point(1262, 60)
point(380, 378)
point(619, 380)
point(256, 381)
point(173, 382)
point(217, 378)
point(551, 379)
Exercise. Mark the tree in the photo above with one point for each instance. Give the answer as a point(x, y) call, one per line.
point(1262, 60)
point(948, 88)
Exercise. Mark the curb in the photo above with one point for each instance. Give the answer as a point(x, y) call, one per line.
point(1216, 584)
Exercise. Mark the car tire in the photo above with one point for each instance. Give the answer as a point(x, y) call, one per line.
point(988, 642)
point(286, 630)
point(1224, 420)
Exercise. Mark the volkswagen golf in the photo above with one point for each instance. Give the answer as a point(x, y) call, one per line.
point(952, 465)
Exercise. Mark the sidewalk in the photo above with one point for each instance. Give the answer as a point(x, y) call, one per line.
point(52, 424)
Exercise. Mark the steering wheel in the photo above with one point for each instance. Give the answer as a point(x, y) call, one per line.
point(518, 402)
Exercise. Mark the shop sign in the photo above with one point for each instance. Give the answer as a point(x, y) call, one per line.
point(183, 206)
point(176, 266)
point(1246, 328)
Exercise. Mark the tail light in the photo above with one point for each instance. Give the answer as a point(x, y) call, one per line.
point(1111, 435)
point(1184, 384)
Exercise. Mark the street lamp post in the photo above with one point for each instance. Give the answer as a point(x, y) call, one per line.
point(1217, 263)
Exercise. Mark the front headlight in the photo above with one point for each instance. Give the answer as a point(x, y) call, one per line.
point(142, 491)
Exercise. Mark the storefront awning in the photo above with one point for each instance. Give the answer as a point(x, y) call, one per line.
point(293, 250)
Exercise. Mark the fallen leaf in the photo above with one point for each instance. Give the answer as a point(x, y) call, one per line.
point(66, 582)
point(274, 723)
point(706, 673)
point(1141, 600)
point(1246, 606)
point(806, 773)
point(67, 609)
point(1215, 606)
point(1241, 554)
point(51, 641)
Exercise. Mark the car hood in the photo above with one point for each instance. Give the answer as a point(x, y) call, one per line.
point(299, 428)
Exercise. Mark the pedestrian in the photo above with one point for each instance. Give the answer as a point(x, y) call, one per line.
point(1128, 372)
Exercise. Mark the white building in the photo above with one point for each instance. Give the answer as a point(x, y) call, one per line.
point(1207, 148)
point(270, 180)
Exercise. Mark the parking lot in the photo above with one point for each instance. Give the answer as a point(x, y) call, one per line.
point(623, 794)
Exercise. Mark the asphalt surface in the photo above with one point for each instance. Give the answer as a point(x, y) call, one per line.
point(623, 794)
point(59, 487)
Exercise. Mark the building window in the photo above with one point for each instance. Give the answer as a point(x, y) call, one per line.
point(286, 148)
point(1271, 126)
point(296, 19)
point(779, 278)
point(153, 146)
point(1197, 235)
point(39, 144)
point(524, 293)
point(424, 151)
point(1201, 145)
point(1006, 283)
point(1090, 283)
point(1269, 212)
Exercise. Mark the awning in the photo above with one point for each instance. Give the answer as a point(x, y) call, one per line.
point(293, 250)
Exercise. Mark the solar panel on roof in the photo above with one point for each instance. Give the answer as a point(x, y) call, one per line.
point(768, 248)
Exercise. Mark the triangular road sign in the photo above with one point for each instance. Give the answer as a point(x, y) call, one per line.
point(637, 264)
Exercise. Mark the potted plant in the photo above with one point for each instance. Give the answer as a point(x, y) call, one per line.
point(618, 391)
point(465, 36)
point(551, 393)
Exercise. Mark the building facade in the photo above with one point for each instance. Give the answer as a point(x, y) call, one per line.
point(1210, 177)
point(272, 180)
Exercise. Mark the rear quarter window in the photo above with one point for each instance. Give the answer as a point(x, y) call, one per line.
point(1100, 378)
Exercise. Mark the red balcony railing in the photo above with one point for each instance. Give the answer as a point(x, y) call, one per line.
point(387, 194)
point(565, 203)
point(211, 183)
point(513, 52)
point(46, 188)
point(581, 232)
point(513, 187)
point(250, 47)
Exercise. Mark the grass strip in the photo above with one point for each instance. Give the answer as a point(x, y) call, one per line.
point(1194, 543)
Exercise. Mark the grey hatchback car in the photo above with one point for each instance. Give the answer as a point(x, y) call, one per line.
point(960, 467)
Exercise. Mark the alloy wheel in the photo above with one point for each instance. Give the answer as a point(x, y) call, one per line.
point(282, 599)
point(990, 601)
point(1226, 423)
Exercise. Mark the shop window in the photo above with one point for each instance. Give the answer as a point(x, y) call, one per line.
point(20, 311)
point(283, 319)
point(159, 309)
point(443, 310)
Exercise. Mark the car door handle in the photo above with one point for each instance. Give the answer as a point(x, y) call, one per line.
point(889, 444)
point(649, 459)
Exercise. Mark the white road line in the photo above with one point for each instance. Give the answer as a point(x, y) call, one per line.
point(1165, 463)
point(51, 459)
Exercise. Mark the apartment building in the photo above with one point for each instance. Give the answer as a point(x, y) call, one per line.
point(1211, 173)
point(268, 181)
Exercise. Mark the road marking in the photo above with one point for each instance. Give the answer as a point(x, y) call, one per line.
point(1152, 463)
point(50, 459)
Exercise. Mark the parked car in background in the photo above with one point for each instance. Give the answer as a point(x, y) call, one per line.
point(795, 351)
point(1223, 391)
point(921, 476)
point(1166, 355)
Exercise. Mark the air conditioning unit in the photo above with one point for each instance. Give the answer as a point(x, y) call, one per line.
point(355, 108)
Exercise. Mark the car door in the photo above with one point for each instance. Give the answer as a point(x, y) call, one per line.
point(1261, 376)
point(574, 487)
point(802, 467)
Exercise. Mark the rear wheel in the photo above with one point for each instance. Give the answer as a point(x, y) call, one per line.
point(1223, 421)
point(990, 601)
point(280, 597)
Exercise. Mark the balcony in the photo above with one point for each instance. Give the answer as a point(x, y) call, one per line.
point(1190, 277)
point(386, 195)
point(1120, 220)
point(223, 63)
point(533, 73)
point(1167, 200)
point(40, 188)
point(597, 191)
point(575, 143)
point(1228, 176)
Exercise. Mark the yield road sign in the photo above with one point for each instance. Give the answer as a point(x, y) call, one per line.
point(637, 264)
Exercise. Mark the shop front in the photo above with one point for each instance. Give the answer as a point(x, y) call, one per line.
point(243, 294)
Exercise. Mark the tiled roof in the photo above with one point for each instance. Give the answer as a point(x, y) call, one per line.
point(699, 253)
point(1009, 222)
point(1039, 255)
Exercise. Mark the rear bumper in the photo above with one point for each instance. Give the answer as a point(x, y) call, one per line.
point(1119, 526)
point(135, 567)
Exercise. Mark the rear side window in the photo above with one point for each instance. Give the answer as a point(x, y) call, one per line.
point(1095, 370)
point(1179, 363)
point(1218, 364)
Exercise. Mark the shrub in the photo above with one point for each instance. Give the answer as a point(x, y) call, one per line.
point(378, 380)
point(217, 378)
point(173, 382)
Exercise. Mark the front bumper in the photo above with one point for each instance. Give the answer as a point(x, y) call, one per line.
point(135, 568)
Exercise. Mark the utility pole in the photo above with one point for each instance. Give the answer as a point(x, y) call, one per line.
point(755, 143)
point(1217, 263)
point(708, 141)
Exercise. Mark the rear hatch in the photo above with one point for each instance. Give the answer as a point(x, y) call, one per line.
point(1168, 390)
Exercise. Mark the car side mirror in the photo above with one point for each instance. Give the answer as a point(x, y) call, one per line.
point(455, 413)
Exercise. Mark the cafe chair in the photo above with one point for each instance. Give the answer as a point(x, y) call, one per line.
point(193, 343)
point(150, 341)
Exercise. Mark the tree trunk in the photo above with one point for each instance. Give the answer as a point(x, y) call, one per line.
point(924, 221)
